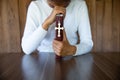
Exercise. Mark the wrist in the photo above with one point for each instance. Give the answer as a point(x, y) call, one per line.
point(45, 26)
point(73, 50)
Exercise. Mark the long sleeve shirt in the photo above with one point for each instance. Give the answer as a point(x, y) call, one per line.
point(76, 22)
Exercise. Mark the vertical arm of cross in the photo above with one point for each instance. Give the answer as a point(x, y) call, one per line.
point(59, 28)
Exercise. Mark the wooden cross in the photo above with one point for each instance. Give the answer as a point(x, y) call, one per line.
point(59, 28)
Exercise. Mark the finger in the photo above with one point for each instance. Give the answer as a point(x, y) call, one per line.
point(60, 10)
point(57, 51)
point(56, 41)
point(57, 45)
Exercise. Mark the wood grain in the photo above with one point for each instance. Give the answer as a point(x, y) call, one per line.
point(116, 26)
point(9, 26)
point(104, 19)
point(107, 26)
point(92, 15)
point(99, 24)
point(23, 6)
point(108, 32)
point(44, 66)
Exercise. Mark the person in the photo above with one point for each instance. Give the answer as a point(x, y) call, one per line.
point(39, 33)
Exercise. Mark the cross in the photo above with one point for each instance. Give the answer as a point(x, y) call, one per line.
point(59, 28)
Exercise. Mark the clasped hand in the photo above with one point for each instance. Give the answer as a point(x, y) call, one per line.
point(63, 48)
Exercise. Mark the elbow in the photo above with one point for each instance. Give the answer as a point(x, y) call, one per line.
point(90, 45)
point(84, 47)
point(25, 48)
point(25, 51)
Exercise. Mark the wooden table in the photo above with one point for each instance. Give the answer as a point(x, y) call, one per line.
point(44, 66)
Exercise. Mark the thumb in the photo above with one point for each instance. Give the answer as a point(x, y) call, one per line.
point(64, 35)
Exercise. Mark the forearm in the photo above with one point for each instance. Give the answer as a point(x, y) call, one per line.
point(83, 48)
point(31, 42)
point(45, 25)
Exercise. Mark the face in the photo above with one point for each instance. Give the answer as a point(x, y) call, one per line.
point(52, 4)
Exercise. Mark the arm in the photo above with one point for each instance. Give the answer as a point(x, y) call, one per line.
point(63, 48)
point(33, 33)
point(84, 31)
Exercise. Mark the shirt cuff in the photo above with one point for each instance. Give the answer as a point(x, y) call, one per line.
point(42, 30)
point(83, 48)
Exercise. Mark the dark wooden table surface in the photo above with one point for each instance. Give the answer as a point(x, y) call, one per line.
point(44, 66)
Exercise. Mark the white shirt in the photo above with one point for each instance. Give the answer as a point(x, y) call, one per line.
point(76, 20)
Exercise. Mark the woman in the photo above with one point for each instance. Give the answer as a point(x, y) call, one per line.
point(39, 30)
